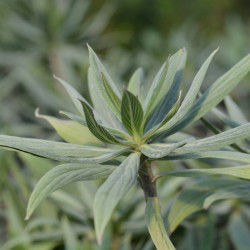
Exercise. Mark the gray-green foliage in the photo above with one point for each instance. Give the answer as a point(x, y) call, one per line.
point(132, 132)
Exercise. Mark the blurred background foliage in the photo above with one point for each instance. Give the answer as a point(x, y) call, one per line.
point(42, 38)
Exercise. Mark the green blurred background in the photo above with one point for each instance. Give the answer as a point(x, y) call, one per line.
point(42, 38)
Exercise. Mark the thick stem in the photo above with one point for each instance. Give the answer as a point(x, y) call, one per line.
point(146, 179)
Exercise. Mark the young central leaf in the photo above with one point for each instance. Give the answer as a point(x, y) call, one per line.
point(132, 113)
point(97, 130)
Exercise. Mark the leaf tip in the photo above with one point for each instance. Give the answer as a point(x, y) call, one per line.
point(27, 217)
point(55, 77)
point(99, 240)
point(37, 112)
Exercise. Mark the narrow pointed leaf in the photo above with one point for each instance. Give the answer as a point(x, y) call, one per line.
point(226, 155)
point(192, 92)
point(113, 189)
point(97, 130)
point(74, 95)
point(61, 176)
point(217, 141)
point(168, 117)
point(132, 113)
point(135, 84)
point(111, 94)
point(167, 98)
point(213, 96)
point(161, 150)
point(105, 114)
point(236, 192)
point(163, 81)
point(71, 131)
point(46, 146)
point(239, 171)
point(98, 69)
point(60, 151)
point(156, 226)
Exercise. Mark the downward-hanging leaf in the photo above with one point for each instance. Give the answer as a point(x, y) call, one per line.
point(132, 113)
point(156, 226)
point(97, 130)
point(60, 151)
point(61, 176)
point(71, 131)
point(213, 96)
point(113, 189)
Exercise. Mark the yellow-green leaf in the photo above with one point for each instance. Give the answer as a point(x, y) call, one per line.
point(71, 131)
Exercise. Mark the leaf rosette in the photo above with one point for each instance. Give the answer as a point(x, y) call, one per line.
point(123, 131)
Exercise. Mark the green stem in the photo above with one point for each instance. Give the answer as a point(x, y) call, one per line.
point(153, 216)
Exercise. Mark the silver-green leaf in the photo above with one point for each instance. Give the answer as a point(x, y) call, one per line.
point(61, 176)
point(113, 189)
point(156, 226)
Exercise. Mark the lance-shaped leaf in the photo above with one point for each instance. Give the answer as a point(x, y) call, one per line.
point(132, 113)
point(135, 84)
point(74, 95)
point(217, 141)
point(105, 114)
point(82, 121)
point(226, 155)
point(191, 199)
point(168, 117)
point(111, 94)
point(235, 192)
point(213, 96)
point(113, 189)
point(61, 176)
point(215, 130)
point(166, 99)
point(156, 226)
point(239, 171)
point(60, 151)
point(97, 70)
point(191, 94)
point(97, 130)
point(161, 150)
point(163, 81)
point(71, 131)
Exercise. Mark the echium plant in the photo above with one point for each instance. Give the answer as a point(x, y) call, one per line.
point(128, 131)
